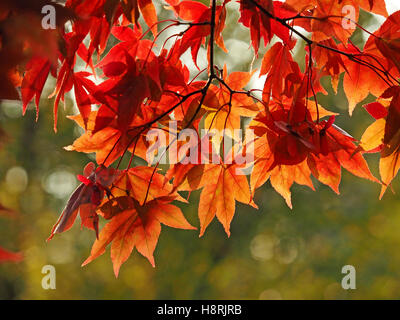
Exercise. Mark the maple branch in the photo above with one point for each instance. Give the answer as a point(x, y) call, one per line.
point(152, 91)
point(212, 38)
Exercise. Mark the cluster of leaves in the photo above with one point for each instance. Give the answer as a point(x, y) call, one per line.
point(142, 88)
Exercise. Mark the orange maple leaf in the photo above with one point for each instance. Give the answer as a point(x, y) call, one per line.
point(138, 228)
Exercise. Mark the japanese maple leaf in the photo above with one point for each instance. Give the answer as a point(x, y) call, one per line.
point(325, 166)
point(329, 62)
point(37, 71)
point(138, 227)
point(198, 14)
point(110, 142)
point(359, 80)
point(328, 18)
point(107, 143)
point(282, 175)
point(111, 10)
point(65, 75)
point(329, 22)
point(278, 65)
point(291, 153)
point(337, 150)
point(85, 199)
point(82, 88)
point(222, 185)
point(261, 25)
point(96, 20)
point(223, 110)
point(384, 44)
point(282, 178)
point(143, 184)
point(134, 75)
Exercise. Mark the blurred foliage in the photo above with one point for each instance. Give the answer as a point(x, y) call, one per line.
point(273, 253)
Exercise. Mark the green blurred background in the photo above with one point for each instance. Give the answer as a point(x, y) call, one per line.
point(273, 252)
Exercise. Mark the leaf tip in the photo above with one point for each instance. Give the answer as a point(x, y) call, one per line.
point(116, 271)
point(87, 261)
